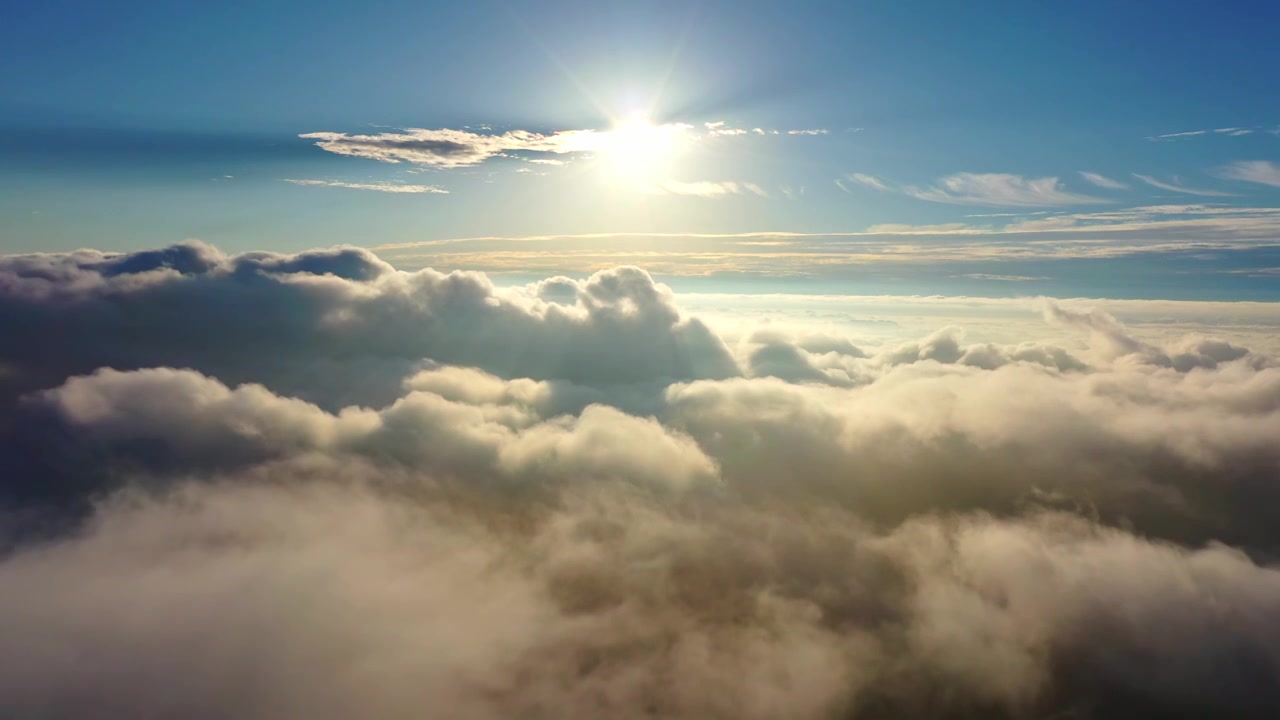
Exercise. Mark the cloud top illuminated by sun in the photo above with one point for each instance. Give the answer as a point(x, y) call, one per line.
point(631, 143)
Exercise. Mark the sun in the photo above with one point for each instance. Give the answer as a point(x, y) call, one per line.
point(637, 149)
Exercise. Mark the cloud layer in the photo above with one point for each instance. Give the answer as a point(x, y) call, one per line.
point(375, 186)
point(310, 485)
point(446, 148)
point(294, 321)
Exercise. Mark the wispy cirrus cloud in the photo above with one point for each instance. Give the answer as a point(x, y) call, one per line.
point(446, 148)
point(1175, 187)
point(908, 229)
point(1103, 181)
point(1000, 189)
point(1228, 131)
point(1254, 171)
point(862, 179)
point(1114, 233)
point(376, 186)
point(705, 188)
point(1170, 136)
point(1003, 278)
point(451, 148)
point(720, 128)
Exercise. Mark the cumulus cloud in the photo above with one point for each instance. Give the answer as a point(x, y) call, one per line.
point(335, 326)
point(1000, 189)
point(571, 499)
point(1117, 343)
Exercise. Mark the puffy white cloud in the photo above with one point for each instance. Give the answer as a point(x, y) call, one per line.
point(326, 599)
point(266, 486)
point(337, 327)
point(178, 421)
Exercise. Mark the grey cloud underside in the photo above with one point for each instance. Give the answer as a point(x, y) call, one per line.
point(447, 148)
point(335, 327)
point(265, 486)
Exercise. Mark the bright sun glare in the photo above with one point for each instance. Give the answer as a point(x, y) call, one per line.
point(637, 149)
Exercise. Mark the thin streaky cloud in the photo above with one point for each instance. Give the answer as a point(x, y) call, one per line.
point(1228, 131)
point(1000, 189)
point(870, 181)
point(907, 229)
point(1180, 188)
point(446, 148)
point(1254, 171)
point(704, 188)
point(1003, 278)
point(1118, 232)
point(1103, 181)
point(379, 187)
point(1170, 136)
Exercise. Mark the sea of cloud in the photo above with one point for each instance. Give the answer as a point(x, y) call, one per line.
point(271, 486)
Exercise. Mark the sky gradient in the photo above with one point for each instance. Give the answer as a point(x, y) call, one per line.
point(1095, 148)
point(639, 360)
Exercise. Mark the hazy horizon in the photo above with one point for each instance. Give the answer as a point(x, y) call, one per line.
point(748, 360)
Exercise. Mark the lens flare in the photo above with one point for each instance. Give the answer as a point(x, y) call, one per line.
point(639, 150)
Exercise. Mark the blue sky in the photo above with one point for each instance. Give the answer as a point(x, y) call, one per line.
point(1093, 148)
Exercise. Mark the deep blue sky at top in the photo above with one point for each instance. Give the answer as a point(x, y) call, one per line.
point(140, 123)
point(1002, 68)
